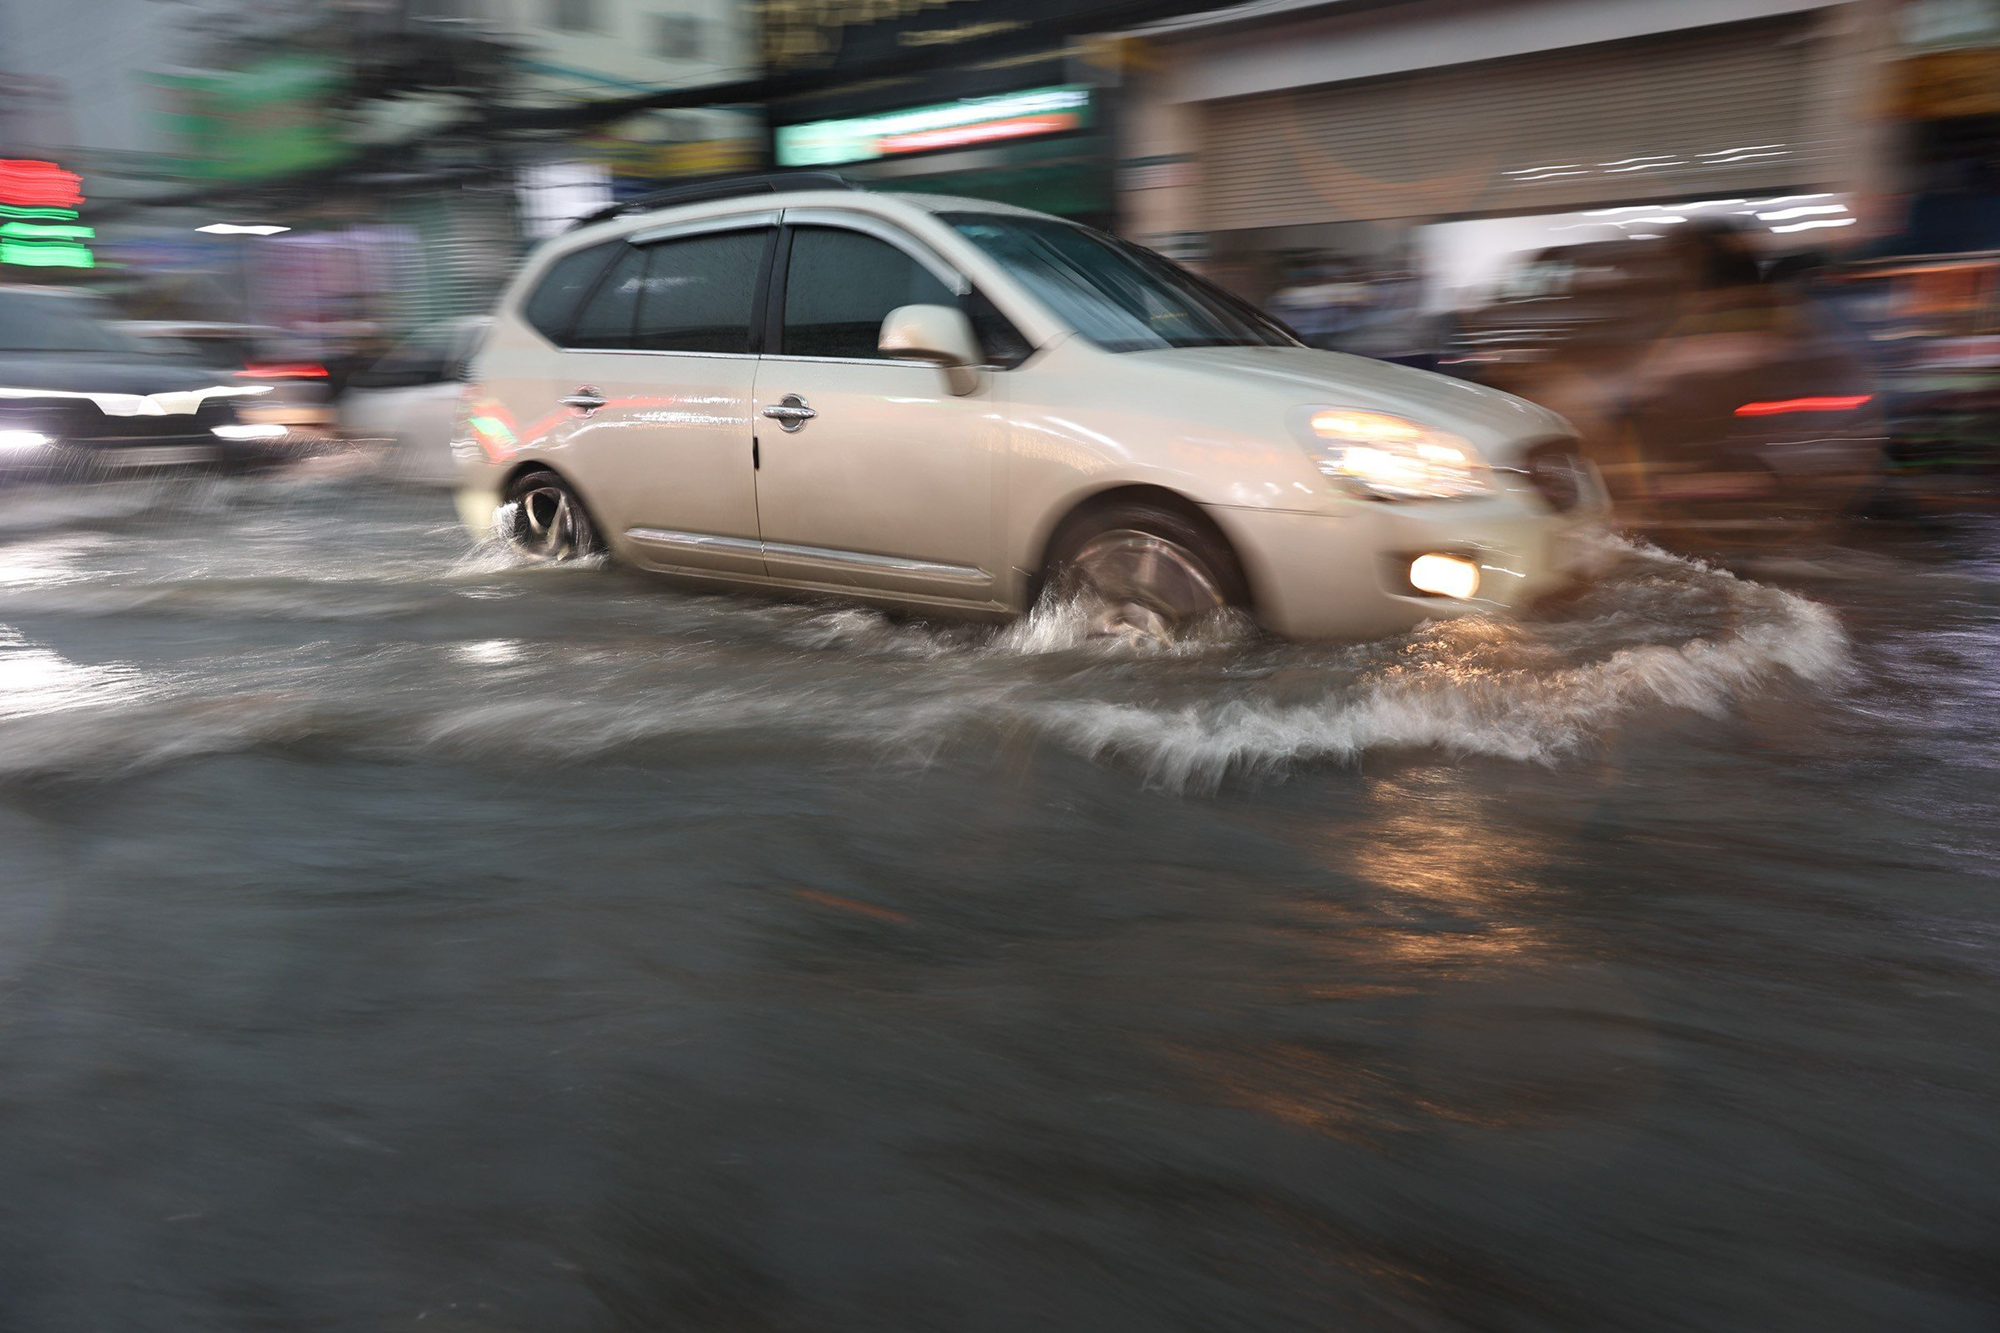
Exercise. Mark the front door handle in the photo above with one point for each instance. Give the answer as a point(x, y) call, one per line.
point(585, 400)
point(790, 413)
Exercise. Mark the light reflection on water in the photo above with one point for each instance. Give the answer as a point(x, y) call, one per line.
point(34, 680)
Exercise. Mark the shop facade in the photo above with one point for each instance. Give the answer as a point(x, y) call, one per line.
point(1439, 139)
point(1033, 127)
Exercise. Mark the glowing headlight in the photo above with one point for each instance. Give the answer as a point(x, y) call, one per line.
point(20, 441)
point(251, 430)
point(1392, 458)
point(1444, 576)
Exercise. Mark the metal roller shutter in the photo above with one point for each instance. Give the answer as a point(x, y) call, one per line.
point(1718, 110)
point(465, 251)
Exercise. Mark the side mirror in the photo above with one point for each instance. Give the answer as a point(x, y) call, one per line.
point(936, 335)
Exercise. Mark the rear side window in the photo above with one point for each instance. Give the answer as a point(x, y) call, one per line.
point(552, 305)
point(839, 287)
point(697, 292)
point(607, 318)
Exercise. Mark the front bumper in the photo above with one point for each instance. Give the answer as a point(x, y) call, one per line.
point(94, 460)
point(1342, 574)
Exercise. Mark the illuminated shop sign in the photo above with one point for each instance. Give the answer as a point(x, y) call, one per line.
point(39, 227)
point(964, 124)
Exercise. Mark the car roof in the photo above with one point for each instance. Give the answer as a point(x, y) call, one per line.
point(881, 202)
point(958, 203)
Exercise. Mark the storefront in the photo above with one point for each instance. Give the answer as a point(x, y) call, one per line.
point(1350, 131)
point(1947, 95)
point(1031, 128)
point(1038, 147)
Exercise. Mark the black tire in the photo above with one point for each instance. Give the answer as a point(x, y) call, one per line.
point(546, 518)
point(1145, 571)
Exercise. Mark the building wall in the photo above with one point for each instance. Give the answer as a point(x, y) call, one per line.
point(77, 75)
point(1184, 71)
point(600, 48)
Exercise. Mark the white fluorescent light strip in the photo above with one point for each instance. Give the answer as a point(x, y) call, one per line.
point(1804, 211)
point(1823, 222)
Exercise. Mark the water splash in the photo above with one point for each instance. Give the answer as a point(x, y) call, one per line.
point(480, 654)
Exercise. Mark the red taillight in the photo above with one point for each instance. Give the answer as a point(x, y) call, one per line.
point(1780, 406)
point(282, 370)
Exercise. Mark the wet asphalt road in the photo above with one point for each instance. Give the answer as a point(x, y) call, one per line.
point(396, 936)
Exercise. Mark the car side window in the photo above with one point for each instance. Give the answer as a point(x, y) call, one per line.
point(552, 305)
point(1005, 346)
point(608, 316)
point(839, 287)
point(697, 292)
point(421, 359)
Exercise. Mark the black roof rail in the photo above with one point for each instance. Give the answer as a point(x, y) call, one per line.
point(727, 187)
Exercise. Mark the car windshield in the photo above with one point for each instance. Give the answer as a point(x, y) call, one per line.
point(47, 322)
point(1120, 296)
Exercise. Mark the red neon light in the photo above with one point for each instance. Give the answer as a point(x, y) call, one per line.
point(1780, 406)
point(29, 184)
point(282, 370)
point(957, 136)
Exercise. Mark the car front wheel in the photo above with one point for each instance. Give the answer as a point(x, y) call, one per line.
point(1145, 573)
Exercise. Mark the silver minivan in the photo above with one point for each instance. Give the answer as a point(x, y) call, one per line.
point(949, 406)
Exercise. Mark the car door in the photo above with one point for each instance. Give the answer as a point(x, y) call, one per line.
point(389, 398)
point(653, 393)
point(890, 483)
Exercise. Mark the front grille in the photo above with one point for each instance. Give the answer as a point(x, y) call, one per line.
point(1557, 474)
point(78, 422)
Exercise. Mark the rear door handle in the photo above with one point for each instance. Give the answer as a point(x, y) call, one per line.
point(585, 400)
point(790, 413)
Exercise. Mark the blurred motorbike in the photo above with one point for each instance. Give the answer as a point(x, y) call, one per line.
point(1719, 405)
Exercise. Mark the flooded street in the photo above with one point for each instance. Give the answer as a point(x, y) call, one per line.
point(395, 934)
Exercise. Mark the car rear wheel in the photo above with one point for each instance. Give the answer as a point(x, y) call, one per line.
point(1144, 573)
point(546, 519)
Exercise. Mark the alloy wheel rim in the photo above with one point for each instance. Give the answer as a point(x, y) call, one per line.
point(1137, 585)
point(548, 524)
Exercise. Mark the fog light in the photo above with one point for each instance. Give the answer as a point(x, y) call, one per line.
point(20, 441)
point(1444, 575)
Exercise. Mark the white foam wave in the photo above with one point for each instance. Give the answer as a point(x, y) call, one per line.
point(1445, 700)
point(1665, 633)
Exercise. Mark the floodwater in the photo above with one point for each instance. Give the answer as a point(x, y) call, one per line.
point(395, 935)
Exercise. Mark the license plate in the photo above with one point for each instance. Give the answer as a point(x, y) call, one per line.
point(172, 455)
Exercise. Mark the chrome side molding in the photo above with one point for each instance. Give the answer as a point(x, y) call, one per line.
point(887, 564)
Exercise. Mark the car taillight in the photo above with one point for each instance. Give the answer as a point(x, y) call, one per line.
point(282, 370)
point(1780, 406)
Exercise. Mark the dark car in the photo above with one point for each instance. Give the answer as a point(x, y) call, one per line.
point(253, 354)
point(79, 398)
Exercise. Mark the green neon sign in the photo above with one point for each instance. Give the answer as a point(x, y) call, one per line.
point(46, 254)
point(43, 231)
